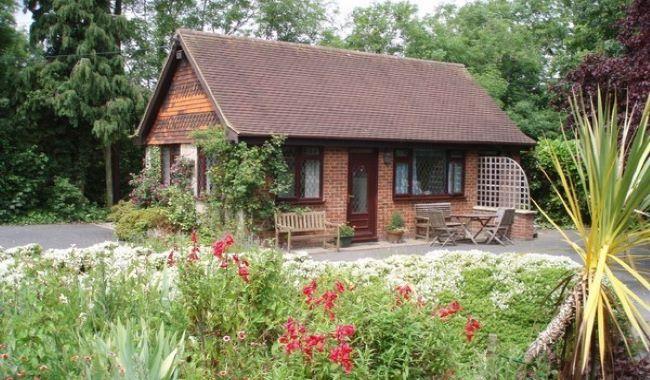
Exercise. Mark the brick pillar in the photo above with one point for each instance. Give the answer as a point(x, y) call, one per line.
point(523, 228)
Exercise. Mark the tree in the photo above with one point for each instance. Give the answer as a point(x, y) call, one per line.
point(625, 75)
point(85, 76)
point(382, 27)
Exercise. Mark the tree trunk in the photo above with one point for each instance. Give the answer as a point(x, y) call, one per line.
point(557, 327)
point(108, 165)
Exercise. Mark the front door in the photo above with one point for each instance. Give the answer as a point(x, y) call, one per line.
point(362, 193)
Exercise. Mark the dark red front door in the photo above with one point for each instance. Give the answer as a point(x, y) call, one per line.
point(362, 193)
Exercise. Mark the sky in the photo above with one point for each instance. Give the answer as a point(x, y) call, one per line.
point(345, 8)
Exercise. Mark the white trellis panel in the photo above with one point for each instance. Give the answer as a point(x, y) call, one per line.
point(502, 183)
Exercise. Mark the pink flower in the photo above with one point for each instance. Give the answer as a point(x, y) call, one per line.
point(343, 332)
point(219, 247)
point(226, 338)
point(327, 300)
point(194, 253)
point(224, 264)
point(241, 335)
point(341, 355)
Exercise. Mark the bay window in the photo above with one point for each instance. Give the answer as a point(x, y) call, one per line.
point(426, 172)
point(305, 171)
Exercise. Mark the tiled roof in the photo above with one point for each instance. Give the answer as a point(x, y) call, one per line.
point(267, 87)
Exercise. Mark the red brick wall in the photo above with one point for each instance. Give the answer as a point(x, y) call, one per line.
point(335, 191)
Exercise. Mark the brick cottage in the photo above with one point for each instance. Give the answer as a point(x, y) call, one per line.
point(367, 134)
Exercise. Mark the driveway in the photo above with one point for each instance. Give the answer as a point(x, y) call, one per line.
point(56, 235)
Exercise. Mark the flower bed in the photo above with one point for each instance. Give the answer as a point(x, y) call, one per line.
point(262, 314)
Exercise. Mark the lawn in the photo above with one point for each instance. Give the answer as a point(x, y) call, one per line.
point(200, 312)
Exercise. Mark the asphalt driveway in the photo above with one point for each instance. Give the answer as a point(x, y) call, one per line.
point(56, 235)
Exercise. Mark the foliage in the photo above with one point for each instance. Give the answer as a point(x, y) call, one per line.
point(181, 173)
point(181, 208)
point(132, 224)
point(624, 74)
point(131, 351)
point(244, 178)
point(346, 230)
point(397, 316)
point(613, 177)
point(146, 184)
point(542, 178)
point(396, 222)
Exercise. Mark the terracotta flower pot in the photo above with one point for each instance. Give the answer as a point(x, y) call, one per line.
point(394, 236)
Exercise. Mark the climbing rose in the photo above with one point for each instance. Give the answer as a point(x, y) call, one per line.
point(451, 309)
point(343, 332)
point(341, 355)
point(470, 327)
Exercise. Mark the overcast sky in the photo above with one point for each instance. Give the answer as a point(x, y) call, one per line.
point(345, 8)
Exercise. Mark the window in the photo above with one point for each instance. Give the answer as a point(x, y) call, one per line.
point(305, 169)
point(168, 155)
point(428, 172)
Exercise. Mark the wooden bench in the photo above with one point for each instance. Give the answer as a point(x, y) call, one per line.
point(305, 226)
point(423, 220)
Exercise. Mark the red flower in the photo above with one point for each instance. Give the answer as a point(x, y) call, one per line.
point(341, 355)
point(313, 341)
point(340, 287)
point(220, 246)
point(243, 272)
point(194, 253)
point(470, 327)
point(170, 259)
point(309, 291)
point(451, 309)
point(224, 264)
point(343, 332)
point(291, 336)
point(404, 292)
point(327, 300)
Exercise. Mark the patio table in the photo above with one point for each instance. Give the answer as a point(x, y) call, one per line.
point(466, 218)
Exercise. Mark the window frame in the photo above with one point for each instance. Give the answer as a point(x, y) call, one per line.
point(449, 158)
point(299, 158)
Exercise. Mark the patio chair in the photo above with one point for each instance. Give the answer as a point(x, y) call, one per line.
point(500, 229)
point(422, 222)
point(441, 229)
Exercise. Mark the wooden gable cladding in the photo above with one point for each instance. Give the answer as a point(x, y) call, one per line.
point(185, 109)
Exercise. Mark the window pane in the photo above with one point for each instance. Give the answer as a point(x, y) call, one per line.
point(401, 178)
point(311, 151)
point(455, 178)
point(401, 153)
point(290, 158)
point(310, 179)
point(428, 172)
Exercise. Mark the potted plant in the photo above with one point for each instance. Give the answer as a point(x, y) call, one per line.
point(395, 230)
point(346, 232)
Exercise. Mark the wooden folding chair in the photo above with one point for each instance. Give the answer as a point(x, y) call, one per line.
point(500, 229)
point(450, 232)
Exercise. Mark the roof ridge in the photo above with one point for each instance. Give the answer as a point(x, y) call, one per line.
point(318, 47)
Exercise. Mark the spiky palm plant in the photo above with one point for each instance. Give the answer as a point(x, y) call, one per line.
point(612, 157)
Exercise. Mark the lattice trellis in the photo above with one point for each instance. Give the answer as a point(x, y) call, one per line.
point(502, 183)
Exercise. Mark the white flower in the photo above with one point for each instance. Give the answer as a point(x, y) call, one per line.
point(63, 299)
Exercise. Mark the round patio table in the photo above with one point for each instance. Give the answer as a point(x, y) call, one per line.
point(466, 218)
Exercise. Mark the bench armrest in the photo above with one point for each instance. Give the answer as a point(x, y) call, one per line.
point(425, 218)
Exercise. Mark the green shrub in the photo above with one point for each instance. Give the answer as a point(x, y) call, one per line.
point(539, 161)
point(132, 223)
point(396, 222)
point(181, 208)
point(146, 184)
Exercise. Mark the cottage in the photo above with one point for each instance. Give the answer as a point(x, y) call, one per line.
point(367, 134)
